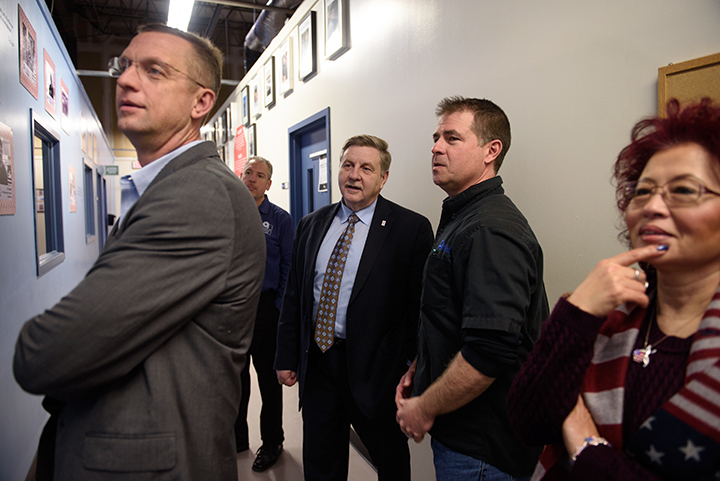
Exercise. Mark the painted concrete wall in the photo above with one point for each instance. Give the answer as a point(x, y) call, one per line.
point(22, 293)
point(572, 76)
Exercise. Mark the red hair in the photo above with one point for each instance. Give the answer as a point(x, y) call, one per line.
point(698, 123)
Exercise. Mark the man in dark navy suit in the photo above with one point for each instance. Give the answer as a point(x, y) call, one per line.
point(348, 327)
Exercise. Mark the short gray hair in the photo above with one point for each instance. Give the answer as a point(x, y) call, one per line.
point(257, 158)
point(377, 143)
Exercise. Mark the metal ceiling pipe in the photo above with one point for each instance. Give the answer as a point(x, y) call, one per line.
point(278, 7)
point(265, 28)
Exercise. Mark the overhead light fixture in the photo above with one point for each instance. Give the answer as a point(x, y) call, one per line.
point(179, 13)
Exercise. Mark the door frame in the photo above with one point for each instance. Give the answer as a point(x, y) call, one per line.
point(295, 133)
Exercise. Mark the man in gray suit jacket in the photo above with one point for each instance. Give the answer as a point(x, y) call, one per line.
point(141, 362)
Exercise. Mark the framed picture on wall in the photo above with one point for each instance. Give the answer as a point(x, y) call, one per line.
point(7, 171)
point(246, 105)
point(269, 70)
point(307, 51)
point(232, 119)
point(64, 107)
point(28, 54)
point(255, 91)
point(51, 86)
point(284, 54)
point(252, 142)
point(337, 28)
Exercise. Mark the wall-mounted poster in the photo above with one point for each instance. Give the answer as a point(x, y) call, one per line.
point(7, 171)
point(39, 200)
point(241, 154)
point(307, 51)
point(286, 67)
point(252, 145)
point(64, 107)
point(72, 187)
point(269, 70)
point(337, 28)
point(246, 105)
point(255, 91)
point(51, 86)
point(28, 54)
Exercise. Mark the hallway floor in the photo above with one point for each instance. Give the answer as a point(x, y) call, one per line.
point(289, 466)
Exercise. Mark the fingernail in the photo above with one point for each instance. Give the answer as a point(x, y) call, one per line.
point(662, 247)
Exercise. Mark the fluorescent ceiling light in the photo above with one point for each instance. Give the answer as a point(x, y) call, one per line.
point(179, 13)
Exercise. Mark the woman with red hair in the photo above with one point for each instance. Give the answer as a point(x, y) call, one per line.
point(624, 382)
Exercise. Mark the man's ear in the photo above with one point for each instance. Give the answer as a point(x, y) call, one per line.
point(385, 178)
point(269, 185)
point(494, 148)
point(203, 104)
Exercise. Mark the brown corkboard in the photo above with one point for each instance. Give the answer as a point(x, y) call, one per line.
point(689, 81)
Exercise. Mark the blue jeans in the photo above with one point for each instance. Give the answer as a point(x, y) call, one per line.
point(453, 466)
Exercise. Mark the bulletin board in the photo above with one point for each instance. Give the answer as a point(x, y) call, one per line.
point(689, 81)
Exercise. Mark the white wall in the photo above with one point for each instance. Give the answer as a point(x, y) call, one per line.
point(22, 293)
point(572, 76)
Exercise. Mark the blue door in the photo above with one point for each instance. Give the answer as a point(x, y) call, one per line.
point(310, 175)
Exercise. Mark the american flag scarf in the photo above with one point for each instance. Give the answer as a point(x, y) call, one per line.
point(681, 440)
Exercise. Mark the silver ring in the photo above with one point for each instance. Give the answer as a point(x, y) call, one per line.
point(637, 275)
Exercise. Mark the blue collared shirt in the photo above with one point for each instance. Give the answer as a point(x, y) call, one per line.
point(357, 246)
point(144, 177)
point(279, 229)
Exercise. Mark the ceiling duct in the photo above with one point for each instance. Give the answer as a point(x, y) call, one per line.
point(265, 28)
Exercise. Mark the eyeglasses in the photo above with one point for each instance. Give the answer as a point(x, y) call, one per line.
point(677, 192)
point(150, 68)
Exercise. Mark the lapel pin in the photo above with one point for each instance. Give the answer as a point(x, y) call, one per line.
point(382, 223)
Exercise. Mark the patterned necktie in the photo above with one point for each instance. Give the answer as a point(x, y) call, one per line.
point(325, 324)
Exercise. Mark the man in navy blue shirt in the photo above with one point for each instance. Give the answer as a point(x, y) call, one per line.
point(279, 229)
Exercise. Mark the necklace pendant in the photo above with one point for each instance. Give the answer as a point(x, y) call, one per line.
point(642, 356)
